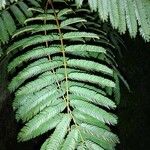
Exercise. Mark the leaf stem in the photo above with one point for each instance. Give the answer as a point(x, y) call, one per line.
point(65, 68)
point(64, 55)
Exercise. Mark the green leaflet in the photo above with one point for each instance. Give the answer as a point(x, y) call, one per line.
point(84, 48)
point(122, 17)
point(117, 90)
point(36, 97)
point(113, 13)
point(71, 21)
point(75, 35)
point(88, 65)
point(81, 147)
point(37, 103)
point(2, 4)
point(142, 19)
point(41, 51)
point(92, 79)
point(32, 71)
point(84, 85)
point(93, 4)
point(36, 9)
point(93, 146)
point(92, 96)
point(43, 38)
point(103, 9)
point(94, 111)
point(41, 17)
point(34, 3)
point(9, 22)
point(71, 140)
point(100, 142)
point(55, 141)
point(32, 41)
point(32, 130)
point(34, 53)
point(24, 9)
point(37, 122)
point(41, 82)
point(18, 14)
point(122, 78)
point(38, 62)
point(63, 12)
point(3, 32)
point(100, 133)
point(84, 118)
point(15, 14)
point(79, 3)
point(130, 17)
point(24, 30)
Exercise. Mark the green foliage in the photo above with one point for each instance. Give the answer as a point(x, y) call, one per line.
point(122, 13)
point(12, 13)
point(66, 83)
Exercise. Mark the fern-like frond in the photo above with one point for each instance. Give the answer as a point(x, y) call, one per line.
point(14, 12)
point(36, 39)
point(123, 13)
point(6, 3)
point(63, 84)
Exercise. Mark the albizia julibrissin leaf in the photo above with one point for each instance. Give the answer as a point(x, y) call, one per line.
point(64, 80)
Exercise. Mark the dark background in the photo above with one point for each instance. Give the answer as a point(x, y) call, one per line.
point(133, 128)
